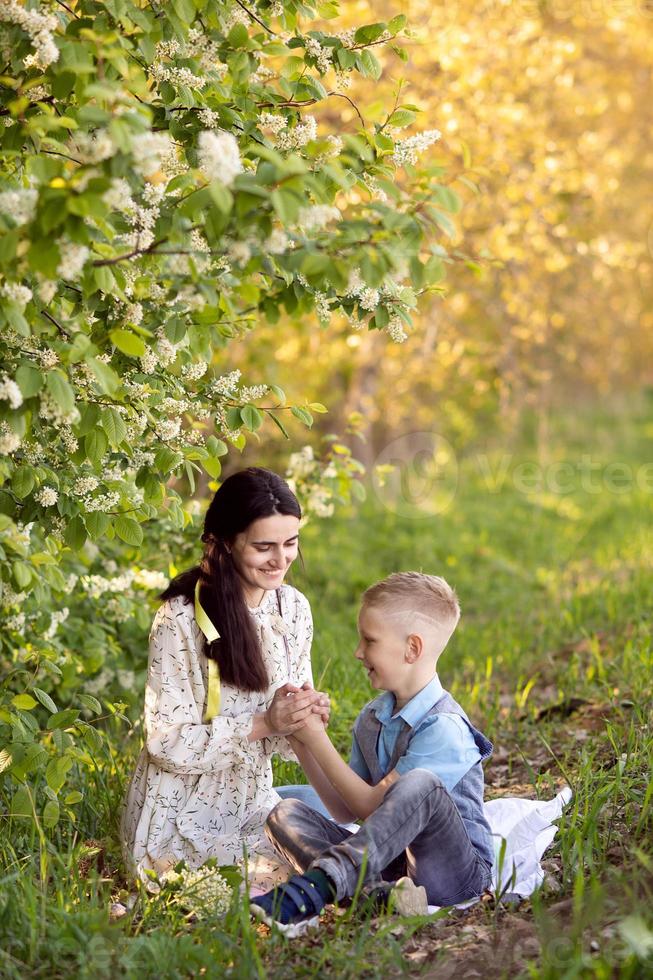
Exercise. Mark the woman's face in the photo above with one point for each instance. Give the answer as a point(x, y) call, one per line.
point(264, 551)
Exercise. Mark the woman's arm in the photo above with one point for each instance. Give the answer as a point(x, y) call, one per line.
point(331, 798)
point(289, 710)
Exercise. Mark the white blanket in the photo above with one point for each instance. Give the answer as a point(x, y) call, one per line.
point(528, 829)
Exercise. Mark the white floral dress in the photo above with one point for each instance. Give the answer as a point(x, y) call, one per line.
point(203, 790)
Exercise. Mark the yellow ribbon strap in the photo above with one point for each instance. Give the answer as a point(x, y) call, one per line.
point(211, 634)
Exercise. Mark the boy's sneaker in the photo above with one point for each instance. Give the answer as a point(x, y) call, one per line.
point(292, 907)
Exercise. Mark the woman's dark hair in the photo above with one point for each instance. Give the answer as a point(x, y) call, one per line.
point(243, 498)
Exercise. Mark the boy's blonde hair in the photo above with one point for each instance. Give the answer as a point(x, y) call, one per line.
point(414, 593)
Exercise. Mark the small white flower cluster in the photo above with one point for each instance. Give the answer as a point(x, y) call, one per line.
point(99, 684)
point(69, 439)
point(72, 258)
point(209, 118)
point(395, 327)
point(204, 892)
point(239, 252)
point(10, 598)
point(377, 193)
point(17, 293)
point(104, 503)
point(347, 38)
point(367, 297)
point(46, 496)
point(153, 152)
point(406, 151)
point(126, 679)
point(315, 217)
point(252, 393)
point(219, 156)
point(16, 623)
point(322, 306)
point(319, 501)
point(84, 485)
point(235, 15)
point(51, 411)
point(174, 407)
point(58, 617)
point(118, 195)
point(48, 358)
point(277, 242)
point(168, 429)
point(40, 28)
point(147, 578)
point(141, 457)
point(19, 205)
point(10, 392)
point(285, 137)
point(9, 441)
point(175, 75)
point(203, 49)
point(226, 384)
point(323, 56)
point(34, 453)
point(301, 464)
point(193, 372)
point(335, 149)
point(92, 147)
point(46, 290)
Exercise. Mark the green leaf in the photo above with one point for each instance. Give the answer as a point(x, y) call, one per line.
point(128, 342)
point(213, 466)
point(369, 33)
point(22, 574)
point(74, 797)
point(23, 480)
point(45, 700)
point(252, 417)
point(96, 524)
point(114, 426)
point(90, 702)
point(29, 379)
point(370, 64)
point(167, 459)
point(21, 803)
point(50, 813)
point(24, 701)
point(62, 719)
point(55, 774)
point(401, 118)
point(128, 530)
point(95, 446)
point(303, 415)
point(57, 384)
point(106, 377)
point(277, 421)
point(75, 534)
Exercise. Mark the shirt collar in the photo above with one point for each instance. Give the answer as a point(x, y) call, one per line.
point(415, 709)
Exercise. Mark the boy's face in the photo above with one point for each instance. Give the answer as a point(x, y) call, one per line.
point(381, 648)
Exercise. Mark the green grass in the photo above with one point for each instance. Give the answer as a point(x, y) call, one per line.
point(556, 591)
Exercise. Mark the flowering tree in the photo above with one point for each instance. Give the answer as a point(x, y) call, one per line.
point(165, 188)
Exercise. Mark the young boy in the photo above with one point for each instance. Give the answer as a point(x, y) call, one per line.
point(415, 777)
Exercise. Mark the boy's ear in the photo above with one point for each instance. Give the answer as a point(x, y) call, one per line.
point(414, 648)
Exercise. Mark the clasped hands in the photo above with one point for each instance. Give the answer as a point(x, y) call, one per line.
point(298, 710)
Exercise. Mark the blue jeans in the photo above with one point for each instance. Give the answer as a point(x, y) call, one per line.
point(416, 831)
point(306, 794)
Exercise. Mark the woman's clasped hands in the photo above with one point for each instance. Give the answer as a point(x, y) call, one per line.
point(292, 708)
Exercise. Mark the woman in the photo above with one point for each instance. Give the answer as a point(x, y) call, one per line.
point(229, 675)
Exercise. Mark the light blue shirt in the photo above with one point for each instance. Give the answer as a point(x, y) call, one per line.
point(441, 743)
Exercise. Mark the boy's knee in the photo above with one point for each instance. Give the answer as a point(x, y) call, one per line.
point(420, 780)
point(279, 814)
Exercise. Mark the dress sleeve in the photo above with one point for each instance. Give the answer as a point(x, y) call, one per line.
point(176, 739)
point(300, 640)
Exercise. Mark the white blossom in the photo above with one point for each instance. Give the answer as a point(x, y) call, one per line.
point(193, 372)
point(17, 293)
point(98, 684)
point(16, 623)
point(119, 195)
point(126, 679)
point(104, 503)
point(46, 496)
point(298, 136)
point(226, 384)
point(253, 393)
point(153, 152)
point(323, 56)
point(149, 579)
point(277, 242)
point(368, 298)
point(84, 485)
point(46, 290)
point(48, 358)
point(395, 328)
point(219, 156)
point(406, 151)
point(58, 617)
point(19, 205)
point(9, 441)
point(149, 361)
point(92, 147)
point(315, 217)
point(204, 892)
point(40, 28)
point(10, 392)
point(168, 429)
point(301, 464)
point(73, 257)
point(209, 118)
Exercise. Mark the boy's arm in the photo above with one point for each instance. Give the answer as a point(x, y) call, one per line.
point(361, 798)
point(332, 800)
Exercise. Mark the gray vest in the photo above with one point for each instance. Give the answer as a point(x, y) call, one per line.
point(467, 794)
